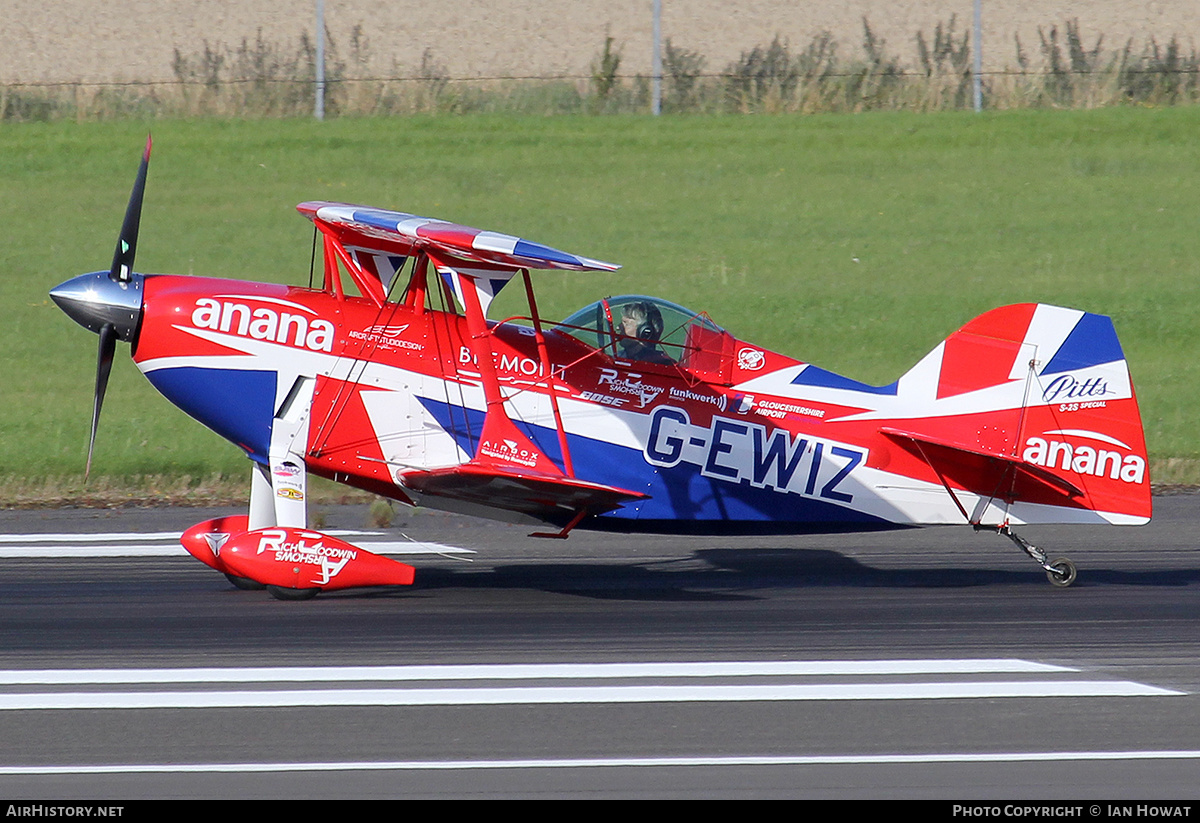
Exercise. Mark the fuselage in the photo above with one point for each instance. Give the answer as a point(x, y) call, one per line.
point(724, 436)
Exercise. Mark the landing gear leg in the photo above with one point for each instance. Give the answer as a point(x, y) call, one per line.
point(1060, 571)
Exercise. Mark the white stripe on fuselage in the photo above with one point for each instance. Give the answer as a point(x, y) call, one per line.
point(916, 393)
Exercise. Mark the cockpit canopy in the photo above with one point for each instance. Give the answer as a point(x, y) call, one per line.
point(650, 330)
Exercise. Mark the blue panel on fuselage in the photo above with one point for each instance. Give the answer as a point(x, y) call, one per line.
point(815, 376)
point(238, 405)
point(680, 495)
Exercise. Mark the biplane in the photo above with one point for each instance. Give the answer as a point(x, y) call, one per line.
point(632, 414)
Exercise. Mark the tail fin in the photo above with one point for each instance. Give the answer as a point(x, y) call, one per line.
point(1031, 405)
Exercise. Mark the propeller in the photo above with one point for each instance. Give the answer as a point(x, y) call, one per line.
point(109, 303)
point(122, 265)
point(104, 361)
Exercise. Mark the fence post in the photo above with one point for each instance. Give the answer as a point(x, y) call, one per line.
point(977, 79)
point(656, 65)
point(319, 102)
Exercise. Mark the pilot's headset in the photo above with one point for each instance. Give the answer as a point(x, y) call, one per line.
point(650, 328)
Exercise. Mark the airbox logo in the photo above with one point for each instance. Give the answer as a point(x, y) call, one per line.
point(1061, 454)
point(508, 450)
point(262, 323)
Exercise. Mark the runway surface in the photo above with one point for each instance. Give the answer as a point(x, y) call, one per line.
point(917, 664)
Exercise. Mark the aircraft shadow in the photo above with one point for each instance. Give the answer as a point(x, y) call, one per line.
point(823, 567)
point(732, 574)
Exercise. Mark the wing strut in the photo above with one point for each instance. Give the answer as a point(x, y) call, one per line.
point(544, 356)
point(501, 443)
point(508, 469)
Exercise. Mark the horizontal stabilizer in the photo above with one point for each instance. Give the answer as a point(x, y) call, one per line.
point(976, 468)
point(532, 493)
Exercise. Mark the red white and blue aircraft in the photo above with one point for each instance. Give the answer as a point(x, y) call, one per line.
point(633, 414)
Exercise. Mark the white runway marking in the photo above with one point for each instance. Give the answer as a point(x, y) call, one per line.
point(569, 671)
point(600, 762)
point(75, 537)
point(573, 694)
point(677, 684)
point(14, 552)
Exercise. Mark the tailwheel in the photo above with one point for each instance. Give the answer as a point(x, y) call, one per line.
point(284, 593)
point(1061, 572)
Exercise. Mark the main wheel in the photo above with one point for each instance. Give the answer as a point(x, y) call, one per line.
point(283, 593)
point(244, 583)
point(1061, 572)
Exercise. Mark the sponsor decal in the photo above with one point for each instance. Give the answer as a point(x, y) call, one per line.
point(386, 337)
point(262, 323)
point(1053, 453)
point(509, 451)
point(510, 364)
point(743, 403)
point(736, 451)
point(603, 399)
point(718, 400)
point(289, 480)
point(329, 559)
point(215, 541)
point(288, 469)
point(750, 359)
point(776, 408)
point(390, 332)
point(1068, 387)
point(631, 384)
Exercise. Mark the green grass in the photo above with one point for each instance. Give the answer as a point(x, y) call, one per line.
point(856, 242)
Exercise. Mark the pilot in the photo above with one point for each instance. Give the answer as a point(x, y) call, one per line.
point(642, 328)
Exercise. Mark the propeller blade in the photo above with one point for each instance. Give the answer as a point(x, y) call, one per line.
point(122, 265)
point(104, 361)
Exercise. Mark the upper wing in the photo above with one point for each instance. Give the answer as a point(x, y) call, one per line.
point(397, 233)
